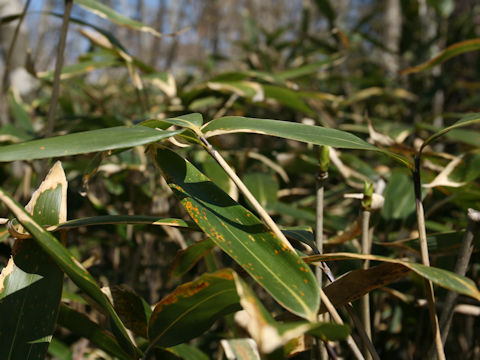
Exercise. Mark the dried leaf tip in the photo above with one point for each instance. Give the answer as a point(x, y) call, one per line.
point(474, 215)
point(7, 270)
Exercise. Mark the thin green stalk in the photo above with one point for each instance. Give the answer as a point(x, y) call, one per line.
point(58, 69)
point(422, 233)
point(248, 195)
point(321, 177)
point(271, 224)
point(365, 301)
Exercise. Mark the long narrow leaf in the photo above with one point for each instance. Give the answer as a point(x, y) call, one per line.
point(192, 308)
point(242, 236)
point(81, 325)
point(465, 121)
point(317, 135)
point(79, 275)
point(448, 53)
point(84, 142)
point(106, 12)
point(441, 277)
point(31, 280)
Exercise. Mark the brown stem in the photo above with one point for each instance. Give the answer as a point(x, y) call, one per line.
point(8, 60)
point(425, 259)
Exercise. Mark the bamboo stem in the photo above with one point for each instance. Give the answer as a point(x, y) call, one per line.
point(430, 295)
point(321, 177)
point(248, 195)
point(365, 301)
point(336, 317)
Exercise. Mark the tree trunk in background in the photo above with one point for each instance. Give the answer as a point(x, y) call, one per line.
point(392, 34)
point(18, 77)
point(432, 28)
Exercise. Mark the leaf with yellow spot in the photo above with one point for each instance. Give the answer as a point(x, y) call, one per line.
point(242, 236)
point(192, 308)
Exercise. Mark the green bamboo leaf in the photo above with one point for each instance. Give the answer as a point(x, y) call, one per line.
point(188, 352)
point(270, 334)
point(192, 309)
point(187, 258)
point(10, 133)
point(287, 97)
point(316, 135)
point(132, 309)
point(80, 68)
point(80, 324)
point(465, 121)
point(264, 187)
point(67, 262)
point(289, 130)
point(399, 196)
point(113, 220)
point(438, 243)
point(310, 68)
point(105, 12)
point(441, 277)
point(191, 121)
point(242, 236)
point(59, 351)
point(20, 114)
point(84, 142)
point(125, 219)
point(451, 51)
point(32, 281)
point(247, 89)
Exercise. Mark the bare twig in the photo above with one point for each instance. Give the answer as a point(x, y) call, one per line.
point(8, 60)
point(336, 317)
point(426, 260)
point(322, 175)
point(58, 69)
point(358, 324)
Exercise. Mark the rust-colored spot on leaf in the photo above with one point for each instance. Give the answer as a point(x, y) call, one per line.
point(224, 275)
